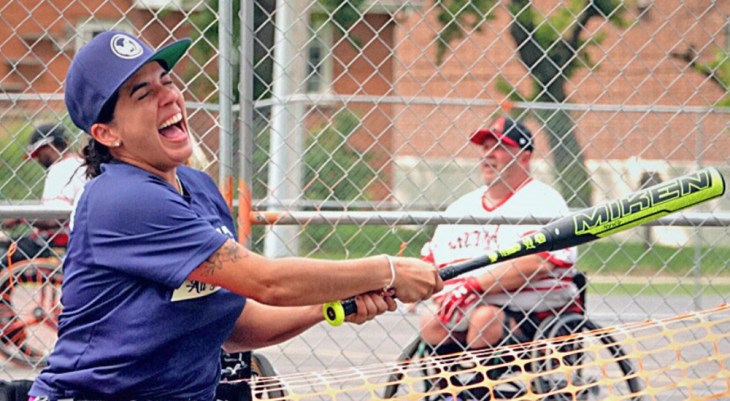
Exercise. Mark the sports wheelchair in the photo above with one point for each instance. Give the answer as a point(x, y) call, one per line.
point(238, 371)
point(30, 304)
point(569, 358)
point(241, 371)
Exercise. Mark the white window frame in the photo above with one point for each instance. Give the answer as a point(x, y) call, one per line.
point(85, 31)
point(174, 5)
point(321, 38)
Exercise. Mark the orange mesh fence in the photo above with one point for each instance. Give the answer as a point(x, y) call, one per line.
point(684, 357)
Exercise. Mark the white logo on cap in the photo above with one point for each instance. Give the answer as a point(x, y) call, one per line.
point(125, 47)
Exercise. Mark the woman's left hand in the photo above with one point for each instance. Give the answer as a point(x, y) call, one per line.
point(370, 305)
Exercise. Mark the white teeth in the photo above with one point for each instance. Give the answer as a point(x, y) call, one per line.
point(172, 120)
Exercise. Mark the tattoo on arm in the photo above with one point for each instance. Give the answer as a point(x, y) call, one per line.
point(229, 252)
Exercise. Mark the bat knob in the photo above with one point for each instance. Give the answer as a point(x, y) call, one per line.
point(334, 313)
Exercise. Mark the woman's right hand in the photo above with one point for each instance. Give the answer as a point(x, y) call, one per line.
point(415, 280)
point(371, 305)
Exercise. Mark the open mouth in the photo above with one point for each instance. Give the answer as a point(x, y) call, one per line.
point(173, 128)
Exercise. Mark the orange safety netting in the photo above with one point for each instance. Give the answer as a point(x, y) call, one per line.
point(683, 357)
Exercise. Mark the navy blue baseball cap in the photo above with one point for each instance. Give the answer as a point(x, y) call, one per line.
point(509, 131)
point(102, 66)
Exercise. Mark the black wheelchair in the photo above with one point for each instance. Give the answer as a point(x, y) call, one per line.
point(239, 371)
point(569, 358)
point(243, 371)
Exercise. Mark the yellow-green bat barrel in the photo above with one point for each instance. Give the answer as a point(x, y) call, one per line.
point(650, 204)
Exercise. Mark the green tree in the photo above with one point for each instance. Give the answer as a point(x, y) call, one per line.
point(206, 27)
point(718, 70)
point(333, 170)
point(20, 179)
point(551, 49)
point(343, 14)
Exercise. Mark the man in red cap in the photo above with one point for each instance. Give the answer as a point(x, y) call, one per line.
point(487, 306)
point(64, 180)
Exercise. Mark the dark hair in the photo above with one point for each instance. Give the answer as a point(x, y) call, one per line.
point(94, 152)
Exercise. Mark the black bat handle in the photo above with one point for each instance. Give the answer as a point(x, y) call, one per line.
point(335, 312)
point(349, 307)
point(451, 271)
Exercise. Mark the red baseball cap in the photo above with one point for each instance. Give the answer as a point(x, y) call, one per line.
point(511, 132)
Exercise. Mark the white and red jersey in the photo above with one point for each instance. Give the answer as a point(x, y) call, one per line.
point(64, 181)
point(455, 243)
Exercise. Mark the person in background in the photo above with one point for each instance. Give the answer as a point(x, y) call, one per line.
point(484, 307)
point(155, 283)
point(64, 180)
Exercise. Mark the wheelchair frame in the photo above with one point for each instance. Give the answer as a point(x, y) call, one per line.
point(552, 327)
point(30, 306)
point(239, 384)
point(561, 325)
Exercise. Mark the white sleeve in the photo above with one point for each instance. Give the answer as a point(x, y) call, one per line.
point(554, 204)
point(63, 183)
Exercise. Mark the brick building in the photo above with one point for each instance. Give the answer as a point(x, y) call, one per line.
point(638, 109)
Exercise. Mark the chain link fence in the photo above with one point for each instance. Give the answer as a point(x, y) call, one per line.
point(343, 107)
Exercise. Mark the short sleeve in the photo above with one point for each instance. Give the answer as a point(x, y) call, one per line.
point(53, 188)
point(553, 204)
point(148, 231)
point(63, 183)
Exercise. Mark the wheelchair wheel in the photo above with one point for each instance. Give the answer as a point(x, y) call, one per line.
point(264, 381)
point(427, 372)
point(429, 377)
point(408, 354)
point(30, 304)
point(593, 362)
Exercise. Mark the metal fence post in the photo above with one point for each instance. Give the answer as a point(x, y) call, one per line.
point(286, 122)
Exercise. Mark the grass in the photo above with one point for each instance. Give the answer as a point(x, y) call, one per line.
point(635, 259)
point(685, 288)
point(613, 268)
point(351, 241)
point(604, 258)
point(629, 269)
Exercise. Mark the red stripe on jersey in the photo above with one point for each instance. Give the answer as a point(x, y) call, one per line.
point(61, 198)
point(505, 199)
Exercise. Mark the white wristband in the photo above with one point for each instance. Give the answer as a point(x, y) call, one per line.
point(392, 273)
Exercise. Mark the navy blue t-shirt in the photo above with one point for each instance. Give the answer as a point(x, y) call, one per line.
point(132, 326)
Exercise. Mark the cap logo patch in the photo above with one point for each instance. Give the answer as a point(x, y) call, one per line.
point(125, 47)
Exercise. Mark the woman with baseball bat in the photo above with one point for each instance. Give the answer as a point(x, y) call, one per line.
point(154, 282)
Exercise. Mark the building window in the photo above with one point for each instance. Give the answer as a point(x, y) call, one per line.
point(85, 31)
point(319, 63)
point(156, 5)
